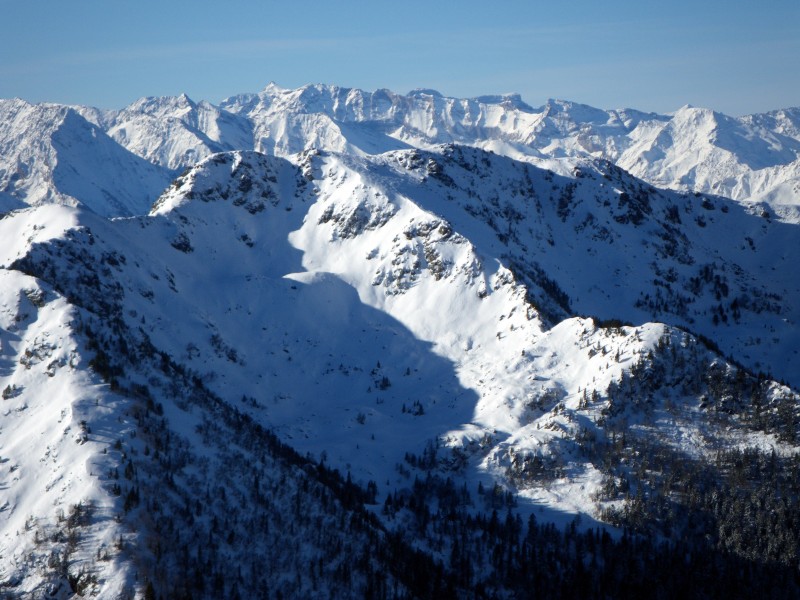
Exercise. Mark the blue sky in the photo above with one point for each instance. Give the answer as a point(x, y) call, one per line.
point(655, 56)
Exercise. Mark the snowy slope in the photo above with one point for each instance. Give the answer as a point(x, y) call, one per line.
point(366, 308)
point(51, 154)
point(412, 243)
point(601, 244)
point(451, 274)
point(108, 444)
point(58, 421)
point(359, 297)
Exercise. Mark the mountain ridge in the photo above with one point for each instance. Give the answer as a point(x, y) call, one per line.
point(389, 370)
point(750, 158)
point(50, 153)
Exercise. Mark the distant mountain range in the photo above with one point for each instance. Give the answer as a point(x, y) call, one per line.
point(752, 158)
point(327, 342)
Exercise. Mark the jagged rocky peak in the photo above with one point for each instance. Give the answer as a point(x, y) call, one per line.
point(425, 93)
point(162, 104)
point(177, 132)
point(246, 178)
point(785, 121)
point(513, 100)
point(574, 111)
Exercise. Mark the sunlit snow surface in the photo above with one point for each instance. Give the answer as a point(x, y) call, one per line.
point(370, 299)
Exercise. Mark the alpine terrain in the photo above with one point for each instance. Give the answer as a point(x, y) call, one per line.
point(333, 343)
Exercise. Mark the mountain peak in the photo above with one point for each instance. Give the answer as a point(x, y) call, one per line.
point(512, 99)
point(273, 88)
point(699, 119)
point(424, 92)
point(183, 98)
point(243, 177)
point(690, 109)
point(160, 105)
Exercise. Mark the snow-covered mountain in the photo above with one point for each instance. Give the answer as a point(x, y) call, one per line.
point(748, 158)
point(324, 366)
point(52, 154)
point(751, 158)
point(177, 132)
